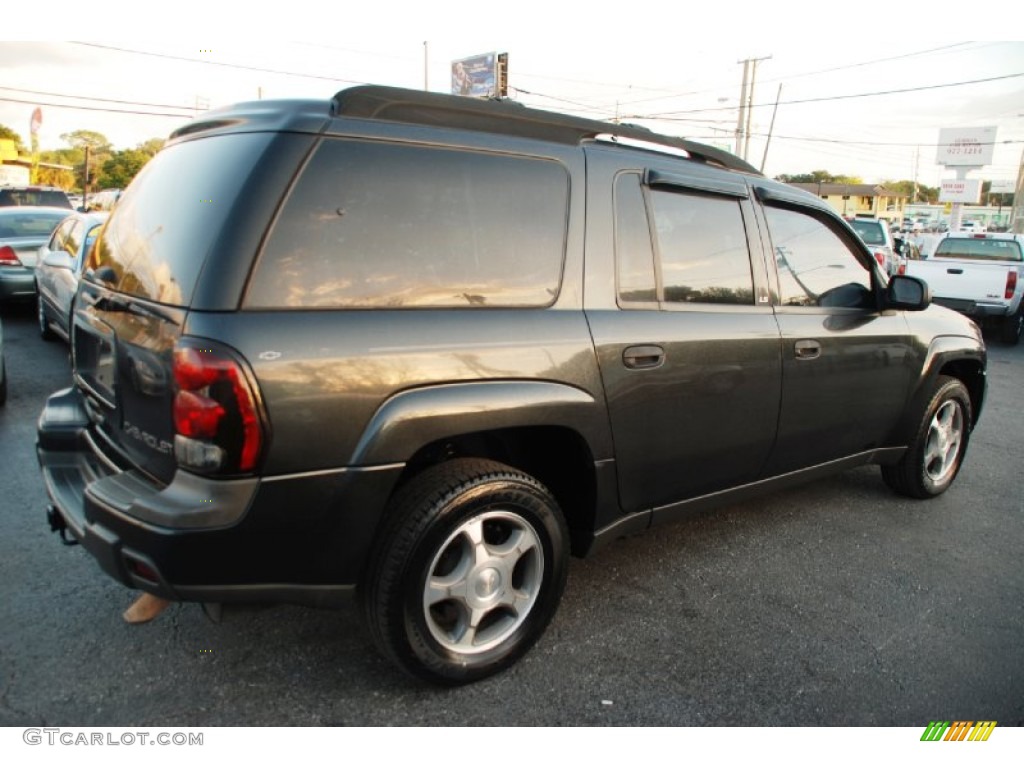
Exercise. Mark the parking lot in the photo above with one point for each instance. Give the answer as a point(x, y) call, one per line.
point(834, 604)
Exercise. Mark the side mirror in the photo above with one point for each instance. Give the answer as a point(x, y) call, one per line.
point(58, 260)
point(906, 292)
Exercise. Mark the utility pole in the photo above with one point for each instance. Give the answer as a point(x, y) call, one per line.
point(746, 105)
point(426, 85)
point(740, 121)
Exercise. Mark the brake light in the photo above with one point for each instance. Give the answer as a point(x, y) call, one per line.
point(1011, 284)
point(8, 258)
point(880, 258)
point(215, 413)
point(902, 270)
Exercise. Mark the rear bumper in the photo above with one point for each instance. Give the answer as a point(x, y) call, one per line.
point(973, 308)
point(299, 538)
point(17, 284)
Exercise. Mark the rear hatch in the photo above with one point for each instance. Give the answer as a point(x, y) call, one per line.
point(170, 228)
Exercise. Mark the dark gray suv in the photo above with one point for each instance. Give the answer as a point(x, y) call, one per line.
point(421, 347)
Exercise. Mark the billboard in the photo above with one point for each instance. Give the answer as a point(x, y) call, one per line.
point(1002, 187)
point(483, 76)
point(966, 146)
point(960, 191)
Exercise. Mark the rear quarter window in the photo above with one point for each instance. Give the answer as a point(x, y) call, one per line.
point(372, 225)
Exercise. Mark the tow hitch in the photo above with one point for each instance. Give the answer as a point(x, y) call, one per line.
point(57, 524)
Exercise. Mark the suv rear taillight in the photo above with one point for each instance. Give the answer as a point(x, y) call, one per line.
point(216, 416)
point(8, 258)
point(880, 258)
point(1011, 284)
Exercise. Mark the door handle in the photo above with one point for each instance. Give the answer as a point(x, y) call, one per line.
point(807, 349)
point(643, 356)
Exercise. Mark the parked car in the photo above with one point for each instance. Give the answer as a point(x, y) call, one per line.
point(58, 268)
point(972, 227)
point(51, 197)
point(876, 235)
point(425, 346)
point(104, 200)
point(22, 230)
point(980, 275)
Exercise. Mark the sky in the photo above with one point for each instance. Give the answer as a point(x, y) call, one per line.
point(848, 104)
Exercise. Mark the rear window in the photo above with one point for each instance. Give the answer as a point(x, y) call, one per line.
point(979, 248)
point(166, 223)
point(35, 224)
point(870, 232)
point(52, 197)
point(385, 225)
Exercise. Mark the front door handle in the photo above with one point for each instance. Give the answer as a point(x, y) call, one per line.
point(807, 349)
point(643, 356)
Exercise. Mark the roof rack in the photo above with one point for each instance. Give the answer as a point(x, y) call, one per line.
point(403, 105)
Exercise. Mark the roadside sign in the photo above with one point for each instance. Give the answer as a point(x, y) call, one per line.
point(960, 191)
point(966, 146)
point(1003, 187)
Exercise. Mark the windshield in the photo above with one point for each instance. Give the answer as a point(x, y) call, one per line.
point(54, 197)
point(870, 232)
point(978, 248)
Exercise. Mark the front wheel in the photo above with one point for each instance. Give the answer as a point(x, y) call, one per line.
point(934, 457)
point(468, 572)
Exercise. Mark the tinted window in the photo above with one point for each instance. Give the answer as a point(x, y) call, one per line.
point(167, 221)
point(30, 224)
point(385, 225)
point(977, 248)
point(634, 254)
point(702, 246)
point(49, 197)
point(816, 268)
point(870, 231)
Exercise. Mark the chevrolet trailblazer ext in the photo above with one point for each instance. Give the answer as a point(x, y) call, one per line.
point(420, 348)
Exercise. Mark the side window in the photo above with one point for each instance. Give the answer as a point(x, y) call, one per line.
point(633, 251)
point(816, 267)
point(59, 236)
point(384, 225)
point(702, 245)
point(74, 240)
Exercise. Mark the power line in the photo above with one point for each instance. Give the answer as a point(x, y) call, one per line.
point(94, 109)
point(665, 115)
point(93, 98)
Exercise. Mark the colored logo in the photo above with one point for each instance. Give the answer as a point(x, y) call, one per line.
point(961, 730)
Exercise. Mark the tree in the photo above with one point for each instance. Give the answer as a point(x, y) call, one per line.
point(816, 177)
point(99, 153)
point(906, 188)
point(151, 146)
point(120, 168)
point(10, 133)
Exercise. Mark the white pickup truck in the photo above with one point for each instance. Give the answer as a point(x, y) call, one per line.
point(979, 275)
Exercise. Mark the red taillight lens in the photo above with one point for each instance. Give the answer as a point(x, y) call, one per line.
point(880, 258)
point(902, 270)
point(1011, 284)
point(215, 412)
point(8, 258)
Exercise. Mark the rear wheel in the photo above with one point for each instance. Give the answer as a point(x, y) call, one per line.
point(44, 324)
point(468, 573)
point(1013, 326)
point(933, 459)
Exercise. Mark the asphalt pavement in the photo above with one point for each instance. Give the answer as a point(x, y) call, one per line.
point(837, 603)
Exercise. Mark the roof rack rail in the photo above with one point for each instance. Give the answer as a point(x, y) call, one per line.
point(403, 105)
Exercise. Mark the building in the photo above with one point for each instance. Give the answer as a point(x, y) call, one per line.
point(851, 200)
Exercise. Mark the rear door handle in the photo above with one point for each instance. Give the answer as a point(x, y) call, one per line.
point(643, 356)
point(807, 349)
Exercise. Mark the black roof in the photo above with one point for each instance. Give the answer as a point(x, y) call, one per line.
point(377, 102)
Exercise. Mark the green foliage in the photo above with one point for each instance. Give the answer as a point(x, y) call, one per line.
point(151, 146)
point(121, 167)
point(82, 138)
point(818, 176)
point(10, 133)
point(54, 177)
point(906, 188)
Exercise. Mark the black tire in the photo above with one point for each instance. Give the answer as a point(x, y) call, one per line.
point(45, 331)
point(509, 583)
point(933, 458)
point(1013, 327)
